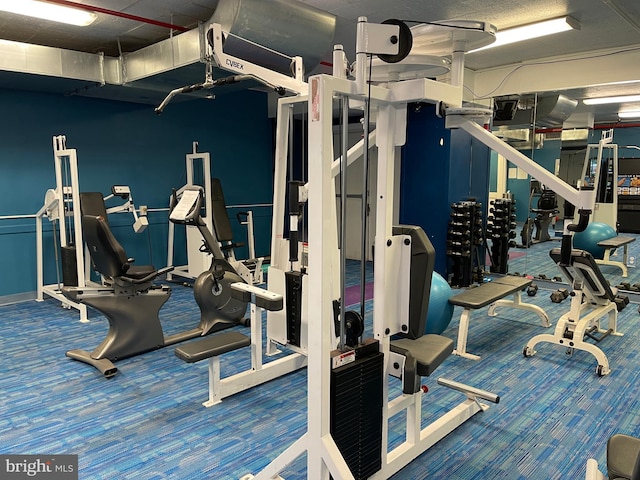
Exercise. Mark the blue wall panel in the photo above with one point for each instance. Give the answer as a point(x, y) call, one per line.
point(439, 167)
point(125, 143)
point(425, 178)
point(520, 188)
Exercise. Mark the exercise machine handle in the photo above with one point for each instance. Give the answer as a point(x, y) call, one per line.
point(174, 200)
point(567, 240)
point(582, 222)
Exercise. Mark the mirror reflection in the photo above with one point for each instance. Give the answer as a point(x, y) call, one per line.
point(552, 130)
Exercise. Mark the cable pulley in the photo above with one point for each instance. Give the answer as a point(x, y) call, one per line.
point(404, 40)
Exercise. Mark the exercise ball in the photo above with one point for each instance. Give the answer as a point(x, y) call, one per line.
point(440, 310)
point(588, 239)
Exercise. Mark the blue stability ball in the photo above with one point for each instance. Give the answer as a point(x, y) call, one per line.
point(589, 238)
point(440, 310)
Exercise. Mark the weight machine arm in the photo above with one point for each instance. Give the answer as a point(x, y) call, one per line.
point(244, 71)
point(582, 199)
point(210, 83)
point(124, 192)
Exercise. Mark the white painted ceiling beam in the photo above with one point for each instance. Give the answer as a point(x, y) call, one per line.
point(559, 73)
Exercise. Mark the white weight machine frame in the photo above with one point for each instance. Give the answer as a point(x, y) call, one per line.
point(294, 83)
point(244, 70)
point(197, 260)
point(64, 202)
point(220, 388)
point(140, 222)
point(55, 209)
point(259, 372)
point(583, 317)
point(323, 456)
point(604, 212)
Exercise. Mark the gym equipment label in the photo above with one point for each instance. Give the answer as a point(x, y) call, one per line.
point(49, 467)
point(343, 359)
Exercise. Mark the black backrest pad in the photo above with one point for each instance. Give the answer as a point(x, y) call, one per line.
point(108, 256)
point(92, 203)
point(221, 223)
point(423, 257)
point(585, 264)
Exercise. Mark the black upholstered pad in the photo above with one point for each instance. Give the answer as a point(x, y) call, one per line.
point(587, 270)
point(623, 457)
point(488, 293)
point(221, 223)
point(212, 346)
point(92, 203)
point(429, 350)
point(519, 282)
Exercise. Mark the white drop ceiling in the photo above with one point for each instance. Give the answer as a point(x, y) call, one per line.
point(598, 45)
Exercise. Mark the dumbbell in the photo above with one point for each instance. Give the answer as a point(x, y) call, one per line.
point(559, 295)
point(621, 302)
point(532, 290)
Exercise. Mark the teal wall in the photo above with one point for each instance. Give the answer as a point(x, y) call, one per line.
point(545, 157)
point(126, 144)
point(621, 137)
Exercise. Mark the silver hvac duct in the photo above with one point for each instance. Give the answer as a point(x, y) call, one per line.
point(554, 110)
point(289, 27)
point(551, 111)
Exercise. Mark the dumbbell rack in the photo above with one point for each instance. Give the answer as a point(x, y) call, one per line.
point(464, 238)
point(501, 224)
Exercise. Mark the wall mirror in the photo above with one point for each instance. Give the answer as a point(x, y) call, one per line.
point(561, 133)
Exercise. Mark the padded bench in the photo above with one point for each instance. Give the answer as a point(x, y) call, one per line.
point(212, 346)
point(492, 293)
point(612, 244)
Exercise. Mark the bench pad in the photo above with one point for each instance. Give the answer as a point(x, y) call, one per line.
point(429, 350)
point(616, 242)
point(623, 456)
point(212, 346)
point(487, 293)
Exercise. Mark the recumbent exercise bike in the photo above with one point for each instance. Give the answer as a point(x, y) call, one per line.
point(131, 301)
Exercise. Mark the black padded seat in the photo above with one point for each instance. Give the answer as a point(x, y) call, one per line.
point(212, 346)
point(107, 255)
point(139, 271)
point(623, 457)
point(430, 351)
point(489, 292)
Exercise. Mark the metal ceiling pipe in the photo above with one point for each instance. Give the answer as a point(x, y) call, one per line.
point(597, 126)
point(286, 27)
point(106, 11)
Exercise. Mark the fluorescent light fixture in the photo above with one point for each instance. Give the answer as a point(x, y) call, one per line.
point(533, 30)
point(614, 99)
point(629, 114)
point(48, 11)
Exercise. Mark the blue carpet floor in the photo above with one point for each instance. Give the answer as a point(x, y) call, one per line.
point(148, 422)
